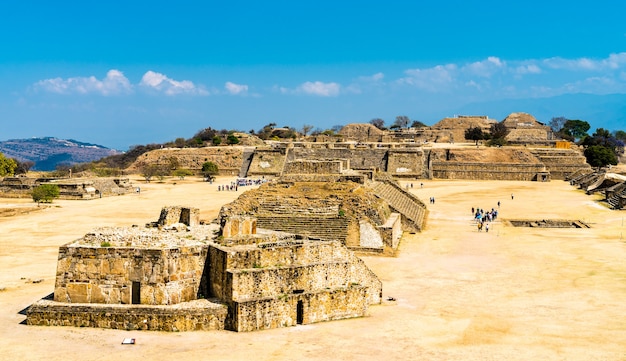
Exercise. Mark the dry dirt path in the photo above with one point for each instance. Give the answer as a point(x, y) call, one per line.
point(510, 294)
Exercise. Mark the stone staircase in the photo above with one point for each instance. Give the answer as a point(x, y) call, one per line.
point(315, 226)
point(248, 153)
point(577, 175)
point(616, 193)
point(413, 210)
point(561, 163)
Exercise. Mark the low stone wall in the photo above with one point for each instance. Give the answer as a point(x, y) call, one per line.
point(391, 231)
point(360, 158)
point(108, 274)
point(177, 214)
point(487, 171)
point(305, 308)
point(300, 166)
point(199, 315)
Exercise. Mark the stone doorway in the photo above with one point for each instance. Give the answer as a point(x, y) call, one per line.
point(300, 312)
point(136, 293)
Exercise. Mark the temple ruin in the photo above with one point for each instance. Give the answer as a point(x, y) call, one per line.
point(178, 274)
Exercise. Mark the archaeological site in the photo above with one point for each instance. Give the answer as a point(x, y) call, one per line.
point(286, 252)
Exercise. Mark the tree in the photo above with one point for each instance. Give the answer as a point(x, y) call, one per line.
point(45, 193)
point(180, 142)
point(148, 171)
point(620, 135)
point(217, 140)
point(576, 128)
point(209, 170)
point(378, 123)
point(306, 128)
point(182, 173)
point(23, 167)
point(418, 124)
point(557, 123)
point(475, 134)
point(232, 139)
point(600, 156)
point(7, 165)
point(402, 121)
point(497, 134)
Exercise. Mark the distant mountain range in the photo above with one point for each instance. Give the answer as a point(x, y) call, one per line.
point(49, 152)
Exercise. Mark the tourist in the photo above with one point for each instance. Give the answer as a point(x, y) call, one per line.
point(487, 227)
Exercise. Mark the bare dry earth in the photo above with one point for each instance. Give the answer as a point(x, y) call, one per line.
point(510, 294)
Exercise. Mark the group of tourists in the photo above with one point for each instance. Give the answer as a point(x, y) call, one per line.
point(483, 218)
point(240, 182)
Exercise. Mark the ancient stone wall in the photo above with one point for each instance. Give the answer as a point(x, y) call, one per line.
point(360, 158)
point(270, 270)
point(177, 214)
point(108, 274)
point(486, 171)
point(328, 228)
point(300, 166)
point(238, 225)
point(391, 231)
point(199, 315)
point(314, 307)
point(406, 163)
point(267, 162)
point(227, 158)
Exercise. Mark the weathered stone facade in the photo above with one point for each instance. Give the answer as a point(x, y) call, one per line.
point(176, 278)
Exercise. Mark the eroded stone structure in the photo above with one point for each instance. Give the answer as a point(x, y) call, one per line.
point(178, 275)
point(69, 188)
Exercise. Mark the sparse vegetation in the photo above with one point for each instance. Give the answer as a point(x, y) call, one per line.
point(45, 193)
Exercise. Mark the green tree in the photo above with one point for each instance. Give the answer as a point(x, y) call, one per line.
point(7, 165)
point(418, 124)
point(210, 170)
point(45, 193)
point(620, 135)
point(182, 173)
point(600, 156)
point(497, 134)
point(217, 140)
point(475, 134)
point(232, 139)
point(576, 128)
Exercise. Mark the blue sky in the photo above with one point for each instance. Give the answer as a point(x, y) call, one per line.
point(121, 73)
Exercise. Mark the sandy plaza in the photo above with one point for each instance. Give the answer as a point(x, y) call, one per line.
point(450, 293)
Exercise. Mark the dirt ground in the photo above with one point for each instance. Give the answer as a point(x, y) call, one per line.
point(509, 294)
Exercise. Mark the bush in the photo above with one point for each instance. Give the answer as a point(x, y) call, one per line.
point(45, 193)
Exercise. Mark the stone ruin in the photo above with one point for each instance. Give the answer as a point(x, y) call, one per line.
point(69, 188)
point(182, 275)
point(368, 215)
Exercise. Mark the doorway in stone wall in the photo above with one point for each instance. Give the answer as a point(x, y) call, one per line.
point(136, 293)
point(300, 312)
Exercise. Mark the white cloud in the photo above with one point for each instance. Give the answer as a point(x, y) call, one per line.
point(435, 79)
point(613, 62)
point(485, 68)
point(527, 69)
point(318, 88)
point(114, 83)
point(161, 83)
point(236, 89)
